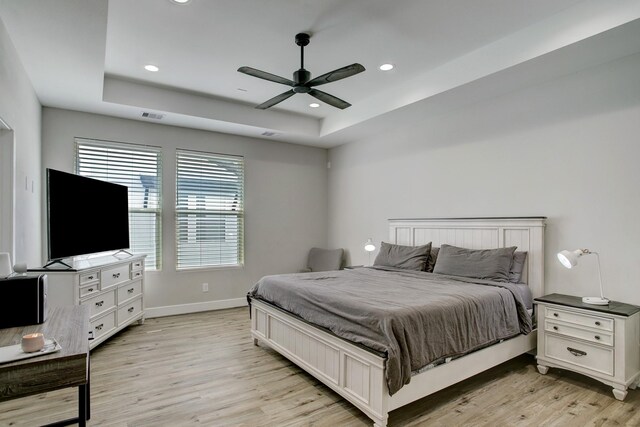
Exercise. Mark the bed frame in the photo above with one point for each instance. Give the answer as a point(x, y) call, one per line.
point(358, 375)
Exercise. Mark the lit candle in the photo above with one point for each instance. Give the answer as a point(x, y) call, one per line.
point(32, 342)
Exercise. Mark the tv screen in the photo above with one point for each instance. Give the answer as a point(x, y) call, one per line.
point(85, 215)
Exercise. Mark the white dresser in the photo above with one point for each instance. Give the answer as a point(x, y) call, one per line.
point(602, 342)
point(112, 287)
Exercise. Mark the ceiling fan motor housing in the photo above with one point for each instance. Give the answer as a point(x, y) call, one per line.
point(300, 77)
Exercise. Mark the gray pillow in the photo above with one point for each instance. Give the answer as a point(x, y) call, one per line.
point(407, 257)
point(487, 264)
point(433, 256)
point(517, 265)
point(325, 259)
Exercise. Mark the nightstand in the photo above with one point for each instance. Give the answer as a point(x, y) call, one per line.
point(600, 341)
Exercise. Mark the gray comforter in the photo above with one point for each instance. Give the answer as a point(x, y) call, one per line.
point(413, 317)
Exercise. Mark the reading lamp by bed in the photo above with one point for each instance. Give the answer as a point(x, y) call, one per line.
point(570, 259)
point(369, 247)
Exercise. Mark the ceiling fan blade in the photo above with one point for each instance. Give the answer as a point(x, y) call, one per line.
point(275, 100)
point(329, 99)
point(266, 76)
point(339, 74)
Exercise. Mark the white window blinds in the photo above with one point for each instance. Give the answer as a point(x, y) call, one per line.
point(209, 210)
point(139, 167)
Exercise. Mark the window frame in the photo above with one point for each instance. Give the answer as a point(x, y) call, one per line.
point(180, 210)
point(157, 211)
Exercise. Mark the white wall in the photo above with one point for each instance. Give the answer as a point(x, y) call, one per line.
point(20, 110)
point(568, 149)
point(285, 200)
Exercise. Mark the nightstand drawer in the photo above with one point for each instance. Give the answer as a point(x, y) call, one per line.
point(597, 322)
point(562, 328)
point(581, 354)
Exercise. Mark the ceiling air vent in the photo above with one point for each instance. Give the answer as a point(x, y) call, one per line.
point(152, 116)
point(267, 133)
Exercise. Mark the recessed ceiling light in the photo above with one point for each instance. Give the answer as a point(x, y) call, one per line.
point(152, 68)
point(386, 67)
point(180, 1)
point(314, 105)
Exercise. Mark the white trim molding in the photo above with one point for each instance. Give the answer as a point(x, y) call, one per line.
point(196, 307)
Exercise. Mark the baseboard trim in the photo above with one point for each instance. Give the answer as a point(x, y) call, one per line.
point(172, 310)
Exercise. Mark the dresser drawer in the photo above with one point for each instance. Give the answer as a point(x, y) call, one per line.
point(129, 290)
point(103, 324)
point(89, 277)
point(568, 329)
point(137, 265)
point(100, 303)
point(129, 310)
point(136, 274)
point(595, 358)
point(89, 290)
point(115, 275)
point(597, 322)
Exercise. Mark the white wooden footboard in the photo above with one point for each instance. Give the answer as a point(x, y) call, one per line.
point(355, 374)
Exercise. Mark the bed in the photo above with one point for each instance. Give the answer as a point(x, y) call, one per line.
point(364, 374)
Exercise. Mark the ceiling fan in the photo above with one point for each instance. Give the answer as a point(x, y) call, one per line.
point(302, 82)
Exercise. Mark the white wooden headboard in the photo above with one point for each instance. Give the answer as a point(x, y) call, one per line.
point(527, 233)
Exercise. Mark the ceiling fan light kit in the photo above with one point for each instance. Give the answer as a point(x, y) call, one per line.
point(302, 82)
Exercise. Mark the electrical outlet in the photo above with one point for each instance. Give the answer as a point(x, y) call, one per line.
point(205, 287)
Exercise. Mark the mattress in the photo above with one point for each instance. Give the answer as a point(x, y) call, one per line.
point(415, 318)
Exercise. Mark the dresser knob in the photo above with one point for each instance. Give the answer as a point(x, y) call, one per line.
point(99, 303)
point(555, 328)
point(130, 290)
point(597, 323)
point(90, 290)
point(597, 337)
point(130, 310)
point(100, 326)
point(555, 314)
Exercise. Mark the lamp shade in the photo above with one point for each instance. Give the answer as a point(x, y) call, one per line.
point(570, 258)
point(369, 246)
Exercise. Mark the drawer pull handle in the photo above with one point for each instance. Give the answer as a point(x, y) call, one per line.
point(597, 323)
point(576, 352)
point(90, 277)
point(90, 290)
point(99, 303)
point(597, 337)
point(116, 275)
point(130, 290)
point(555, 314)
point(99, 327)
point(555, 328)
point(131, 311)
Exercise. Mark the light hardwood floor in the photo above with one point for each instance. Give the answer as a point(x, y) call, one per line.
point(203, 369)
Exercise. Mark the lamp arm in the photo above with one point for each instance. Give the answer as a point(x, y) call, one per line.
point(599, 273)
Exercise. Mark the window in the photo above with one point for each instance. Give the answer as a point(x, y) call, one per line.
point(139, 167)
point(209, 210)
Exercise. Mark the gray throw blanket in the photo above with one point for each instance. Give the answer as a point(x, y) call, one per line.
point(413, 317)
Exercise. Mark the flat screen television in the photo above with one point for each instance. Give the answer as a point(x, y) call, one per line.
point(85, 215)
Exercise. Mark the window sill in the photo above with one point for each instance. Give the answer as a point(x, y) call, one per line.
point(209, 268)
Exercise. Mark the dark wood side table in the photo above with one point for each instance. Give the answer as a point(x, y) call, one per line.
point(69, 367)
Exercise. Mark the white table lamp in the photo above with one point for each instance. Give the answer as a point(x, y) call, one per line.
point(570, 259)
point(369, 247)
